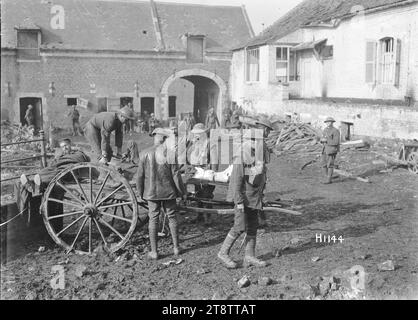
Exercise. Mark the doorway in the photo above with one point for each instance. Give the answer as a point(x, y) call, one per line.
point(36, 103)
point(147, 104)
point(172, 106)
point(101, 105)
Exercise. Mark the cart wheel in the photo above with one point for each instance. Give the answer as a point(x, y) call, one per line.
point(97, 208)
point(413, 162)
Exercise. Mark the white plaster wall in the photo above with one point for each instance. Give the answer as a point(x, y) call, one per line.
point(369, 120)
point(349, 41)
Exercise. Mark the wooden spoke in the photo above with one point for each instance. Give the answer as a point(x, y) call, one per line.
point(123, 212)
point(66, 202)
point(70, 225)
point(113, 201)
point(111, 228)
point(78, 234)
point(91, 185)
point(70, 193)
point(109, 195)
point(115, 210)
point(100, 231)
point(64, 215)
point(79, 185)
point(101, 187)
point(115, 205)
point(116, 217)
point(90, 235)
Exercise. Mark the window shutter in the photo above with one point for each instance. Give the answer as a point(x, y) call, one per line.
point(371, 48)
point(397, 61)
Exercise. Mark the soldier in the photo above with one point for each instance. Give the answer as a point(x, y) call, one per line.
point(235, 122)
point(159, 183)
point(99, 128)
point(226, 121)
point(211, 120)
point(331, 141)
point(66, 156)
point(198, 155)
point(145, 118)
point(246, 186)
point(151, 124)
point(29, 116)
point(75, 119)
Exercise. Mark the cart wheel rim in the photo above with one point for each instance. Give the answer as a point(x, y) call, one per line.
point(413, 162)
point(86, 204)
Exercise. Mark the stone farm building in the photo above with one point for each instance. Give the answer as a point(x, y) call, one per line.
point(166, 58)
point(356, 60)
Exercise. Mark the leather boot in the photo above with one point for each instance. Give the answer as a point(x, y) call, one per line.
point(223, 254)
point(330, 172)
point(174, 235)
point(326, 172)
point(250, 258)
point(152, 229)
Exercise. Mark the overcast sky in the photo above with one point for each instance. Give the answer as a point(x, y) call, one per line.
point(259, 11)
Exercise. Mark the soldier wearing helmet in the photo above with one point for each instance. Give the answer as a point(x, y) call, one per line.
point(331, 141)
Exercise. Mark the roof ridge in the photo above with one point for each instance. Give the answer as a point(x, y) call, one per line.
point(196, 4)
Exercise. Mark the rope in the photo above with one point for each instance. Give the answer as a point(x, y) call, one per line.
point(10, 220)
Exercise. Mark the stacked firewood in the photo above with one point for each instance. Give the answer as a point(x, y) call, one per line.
point(295, 137)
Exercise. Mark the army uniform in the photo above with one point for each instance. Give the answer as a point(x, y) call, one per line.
point(159, 183)
point(331, 141)
point(98, 131)
point(247, 184)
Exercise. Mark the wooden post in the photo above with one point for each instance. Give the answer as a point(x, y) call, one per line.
point(43, 149)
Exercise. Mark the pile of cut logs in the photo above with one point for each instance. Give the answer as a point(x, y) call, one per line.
point(295, 137)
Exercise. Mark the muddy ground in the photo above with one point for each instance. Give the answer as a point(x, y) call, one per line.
point(377, 222)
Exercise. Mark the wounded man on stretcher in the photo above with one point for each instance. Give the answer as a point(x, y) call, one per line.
point(66, 156)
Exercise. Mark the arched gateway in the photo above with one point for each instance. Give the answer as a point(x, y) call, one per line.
point(204, 81)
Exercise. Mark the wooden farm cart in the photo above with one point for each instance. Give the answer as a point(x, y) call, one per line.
point(89, 206)
point(408, 152)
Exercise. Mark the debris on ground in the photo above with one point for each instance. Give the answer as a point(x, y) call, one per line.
point(295, 137)
point(244, 282)
point(178, 261)
point(80, 270)
point(387, 265)
point(315, 259)
point(41, 249)
point(220, 295)
point(265, 281)
point(202, 271)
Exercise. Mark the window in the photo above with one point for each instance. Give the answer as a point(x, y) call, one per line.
point(282, 64)
point(27, 45)
point(101, 104)
point(327, 52)
point(253, 65)
point(387, 60)
point(294, 66)
point(287, 65)
point(383, 61)
point(123, 101)
point(71, 101)
point(195, 49)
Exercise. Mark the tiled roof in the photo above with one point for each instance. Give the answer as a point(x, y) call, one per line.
point(311, 12)
point(125, 25)
point(223, 26)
